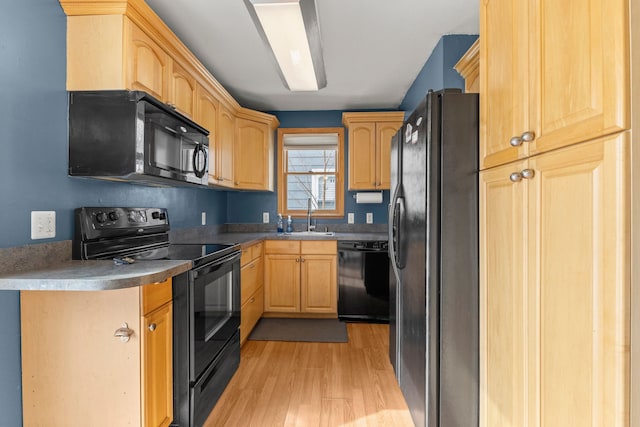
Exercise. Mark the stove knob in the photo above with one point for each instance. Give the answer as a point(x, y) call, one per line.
point(113, 216)
point(101, 217)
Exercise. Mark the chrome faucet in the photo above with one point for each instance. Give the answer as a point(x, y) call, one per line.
point(309, 210)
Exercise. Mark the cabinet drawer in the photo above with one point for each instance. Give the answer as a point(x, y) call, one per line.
point(251, 313)
point(250, 253)
point(154, 295)
point(256, 250)
point(250, 278)
point(329, 247)
point(291, 247)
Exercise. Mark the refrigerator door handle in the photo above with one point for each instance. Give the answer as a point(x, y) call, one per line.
point(394, 234)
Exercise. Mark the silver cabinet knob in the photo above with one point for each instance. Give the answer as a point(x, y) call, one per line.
point(524, 174)
point(517, 141)
point(152, 327)
point(124, 333)
point(528, 173)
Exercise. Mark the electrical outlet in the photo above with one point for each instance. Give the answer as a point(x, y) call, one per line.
point(204, 218)
point(43, 224)
point(369, 217)
point(265, 217)
point(350, 218)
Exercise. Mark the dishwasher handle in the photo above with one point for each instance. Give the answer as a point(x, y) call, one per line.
point(363, 246)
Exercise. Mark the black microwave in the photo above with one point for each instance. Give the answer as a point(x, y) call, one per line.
point(131, 136)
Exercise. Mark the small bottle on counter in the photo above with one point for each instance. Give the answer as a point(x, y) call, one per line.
point(289, 224)
point(280, 229)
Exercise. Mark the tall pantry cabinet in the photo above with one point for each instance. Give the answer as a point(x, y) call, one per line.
point(555, 213)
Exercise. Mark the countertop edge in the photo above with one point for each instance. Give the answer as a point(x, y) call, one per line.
point(94, 276)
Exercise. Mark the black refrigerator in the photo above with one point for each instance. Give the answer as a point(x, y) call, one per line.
point(433, 247)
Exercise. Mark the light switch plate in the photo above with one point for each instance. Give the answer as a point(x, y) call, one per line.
point(43, 224)
point(204, 218)
point(265, 217)
point(369, 217)
point(350, 218)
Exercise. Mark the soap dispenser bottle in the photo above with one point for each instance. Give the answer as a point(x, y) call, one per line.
point(280, 226)
point(289, 224)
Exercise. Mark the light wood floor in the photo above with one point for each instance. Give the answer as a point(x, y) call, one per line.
point(315, 384)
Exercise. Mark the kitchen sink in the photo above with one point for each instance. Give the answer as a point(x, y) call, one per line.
point(312, 233)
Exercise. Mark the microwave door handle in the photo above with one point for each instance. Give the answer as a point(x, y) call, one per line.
point(199, 152)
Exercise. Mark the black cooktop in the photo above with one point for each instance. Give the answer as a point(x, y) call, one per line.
point(138, 233)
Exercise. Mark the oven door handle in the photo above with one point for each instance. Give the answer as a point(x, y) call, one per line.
point(235, 256)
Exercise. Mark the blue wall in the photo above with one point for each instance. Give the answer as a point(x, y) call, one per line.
point(438, 72)
point(33, 164)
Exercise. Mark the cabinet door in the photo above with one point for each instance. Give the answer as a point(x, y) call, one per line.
point(384, 133)
point(282, 283)
point(157, 368)
point(72, 365)
point(182, 90)
point(582, 60)
point(251, 155)
point(504, 80)
point(502, 297)
point(148, 65)
point(362, 156)
point(251, 312)
point(225, 141)
point(318, 284)
point(579, 285)
point(207, 117)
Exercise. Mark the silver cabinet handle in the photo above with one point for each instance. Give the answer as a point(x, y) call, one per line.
point(124, 333)
point(517, 141)
point(152, 327)
point(524, 174)
point(252, 300)
point(528, 173)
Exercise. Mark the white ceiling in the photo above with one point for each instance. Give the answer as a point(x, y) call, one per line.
point(373, 49)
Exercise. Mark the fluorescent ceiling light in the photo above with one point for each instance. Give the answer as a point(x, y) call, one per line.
point(290, 28)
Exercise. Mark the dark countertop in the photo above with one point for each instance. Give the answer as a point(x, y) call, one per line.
point(247, 239)
point(94, 275)
point(27, 268)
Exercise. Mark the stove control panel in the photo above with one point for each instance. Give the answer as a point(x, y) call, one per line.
point(100, 222)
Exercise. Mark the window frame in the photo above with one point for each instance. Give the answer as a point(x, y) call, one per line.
point(338, 212)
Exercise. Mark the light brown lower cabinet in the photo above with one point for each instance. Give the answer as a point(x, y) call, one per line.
point(301, 276)
point(75, 372)
point(251, 289)
point(555, 288)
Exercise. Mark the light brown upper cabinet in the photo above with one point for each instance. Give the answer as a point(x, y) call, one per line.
point(225, 141)
point(254, 150)
point(551, 74)
point(370, 148)
point(182, 90)
point(146, 63)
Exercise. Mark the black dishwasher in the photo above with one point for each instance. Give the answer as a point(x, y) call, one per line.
point(363, 281)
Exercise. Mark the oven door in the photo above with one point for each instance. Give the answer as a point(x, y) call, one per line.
point(215, 310)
